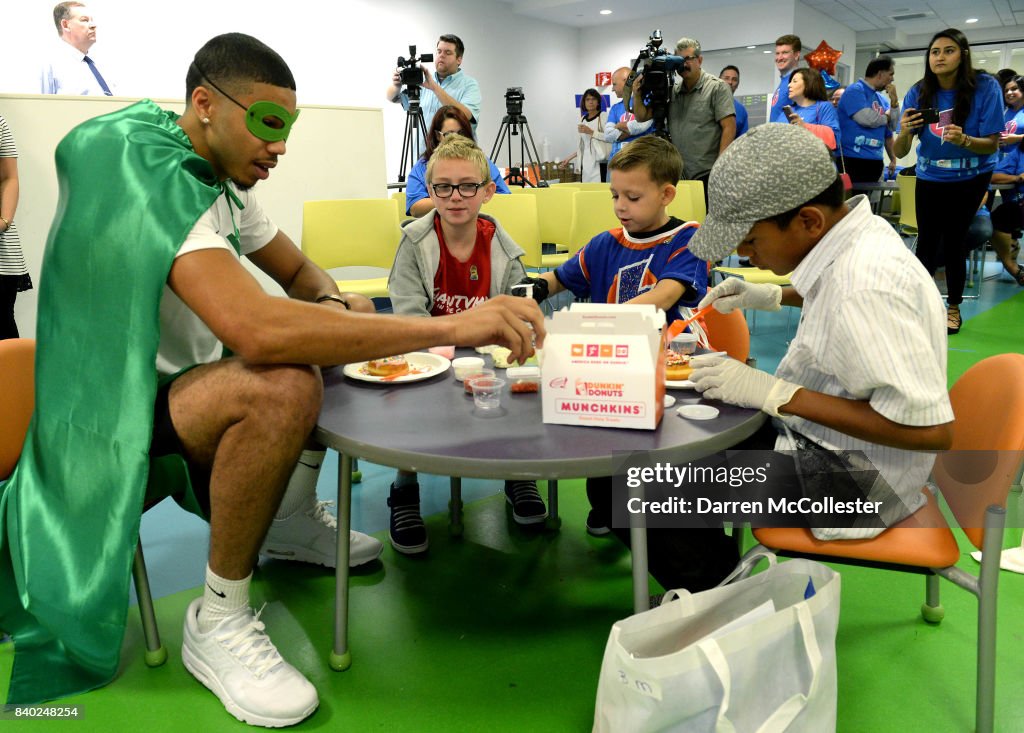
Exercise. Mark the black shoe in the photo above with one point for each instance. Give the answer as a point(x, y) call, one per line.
point(597, 526)
point(527, 506)
point(407, 532)
point(1018, 276)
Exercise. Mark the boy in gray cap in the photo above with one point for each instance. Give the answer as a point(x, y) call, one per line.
point(866, 370)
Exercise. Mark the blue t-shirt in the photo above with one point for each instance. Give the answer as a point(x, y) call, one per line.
point(944, 161)
point(780, 99)
point(742, 118)
point(618, 114)
point(416, 184)
point(819, 113)
point(859, 141)
point(1012, 164)
point(615, 267)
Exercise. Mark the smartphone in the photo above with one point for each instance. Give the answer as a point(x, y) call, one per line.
point(929, 115)
point(788, 110)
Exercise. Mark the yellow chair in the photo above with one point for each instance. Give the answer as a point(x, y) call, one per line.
point(592, 213)
point(353, 233)
point(399, 196)
point(975, 478)
point(518, 216)
point(697, 210)
point(906, 187)
point(586, 186)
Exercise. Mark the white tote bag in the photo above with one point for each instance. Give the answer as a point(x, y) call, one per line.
point(754, 655)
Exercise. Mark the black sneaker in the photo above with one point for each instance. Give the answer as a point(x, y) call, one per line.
point(597, 526)
point(527, 506)
point(407, 532)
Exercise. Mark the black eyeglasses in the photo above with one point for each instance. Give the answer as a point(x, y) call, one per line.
point(466, 190)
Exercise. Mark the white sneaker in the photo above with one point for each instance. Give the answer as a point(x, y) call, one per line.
point(242, 667)
point(309, 535)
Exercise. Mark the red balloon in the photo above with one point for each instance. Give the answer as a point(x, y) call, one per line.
point(823, 58)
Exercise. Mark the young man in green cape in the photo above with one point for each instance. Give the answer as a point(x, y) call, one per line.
point(142, 268)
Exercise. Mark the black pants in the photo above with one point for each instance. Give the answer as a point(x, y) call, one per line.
point(695, 559)
point(863, 170)
point(8, 294)
point(944, 214)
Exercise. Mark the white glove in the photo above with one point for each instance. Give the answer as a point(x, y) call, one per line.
point(735, 293)
point(721, 378)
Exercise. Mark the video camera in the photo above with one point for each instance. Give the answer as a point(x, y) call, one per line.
point(657, 66)
point(410, 73)
point(514, 99)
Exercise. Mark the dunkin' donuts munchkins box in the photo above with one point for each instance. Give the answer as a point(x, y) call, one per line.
point(604, 366)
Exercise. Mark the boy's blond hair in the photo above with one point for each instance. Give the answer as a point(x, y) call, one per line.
point(457, 147)
point(659, 156)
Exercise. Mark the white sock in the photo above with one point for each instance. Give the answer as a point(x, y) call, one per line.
point(221, 598)
point(302, 485)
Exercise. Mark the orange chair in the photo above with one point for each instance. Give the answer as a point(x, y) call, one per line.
point(975, 478)
point(17, 401)
point(728, 332)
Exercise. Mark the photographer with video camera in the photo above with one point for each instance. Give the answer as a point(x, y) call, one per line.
point(448, 85)
point(701, 115)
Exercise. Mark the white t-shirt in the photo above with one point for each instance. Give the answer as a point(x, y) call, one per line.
point(184, 338)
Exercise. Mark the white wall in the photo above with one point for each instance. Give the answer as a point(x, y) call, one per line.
point(342, 53)
point(311, 172)
point(607, 48)
point(813, 27)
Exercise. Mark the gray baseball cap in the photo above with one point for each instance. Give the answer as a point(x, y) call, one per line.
point(770, 170)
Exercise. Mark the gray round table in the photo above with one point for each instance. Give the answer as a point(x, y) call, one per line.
point(432, 426)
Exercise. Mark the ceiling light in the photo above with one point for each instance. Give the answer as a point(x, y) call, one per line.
point(606, 12)
point(766, 52)
point(751, 46)
point(971, 20)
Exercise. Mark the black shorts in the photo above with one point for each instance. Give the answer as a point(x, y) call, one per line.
point(168, 460)
point(1008, 217)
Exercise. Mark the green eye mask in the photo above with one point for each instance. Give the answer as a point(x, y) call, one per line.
point(266, 120)
point(269, 121)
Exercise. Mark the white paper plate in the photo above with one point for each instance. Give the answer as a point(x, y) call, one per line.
point(669, 400)
point(698, 412)
point(421, 366)
point(679, 384)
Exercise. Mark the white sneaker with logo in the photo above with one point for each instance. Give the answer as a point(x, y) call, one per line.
point(237, 661)
point(309, 535)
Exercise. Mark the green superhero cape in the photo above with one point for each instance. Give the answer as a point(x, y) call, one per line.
point(131, 188)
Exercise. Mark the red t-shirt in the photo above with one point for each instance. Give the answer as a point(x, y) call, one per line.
point(459, 286)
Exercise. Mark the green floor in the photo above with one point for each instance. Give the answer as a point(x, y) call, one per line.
point(504, 630)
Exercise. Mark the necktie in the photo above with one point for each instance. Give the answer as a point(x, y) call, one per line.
point(99, 77)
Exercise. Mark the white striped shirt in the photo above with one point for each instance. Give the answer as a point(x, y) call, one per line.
point(872, 328)
point(12, 260)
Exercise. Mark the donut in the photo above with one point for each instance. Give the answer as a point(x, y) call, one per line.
point(389, 366)
point(677, 366)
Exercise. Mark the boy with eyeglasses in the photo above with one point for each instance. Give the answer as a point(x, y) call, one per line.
point(451, 260)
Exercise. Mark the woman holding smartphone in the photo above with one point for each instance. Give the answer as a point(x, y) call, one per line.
point(592, 148)
point(956, 155)
point(811, 108)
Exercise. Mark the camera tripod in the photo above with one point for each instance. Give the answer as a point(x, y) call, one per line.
point(510, 125)
point(415, 135)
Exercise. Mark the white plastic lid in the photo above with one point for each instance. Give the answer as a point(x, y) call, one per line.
point(523, 372)
point(686, 338)
point(698, 412)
